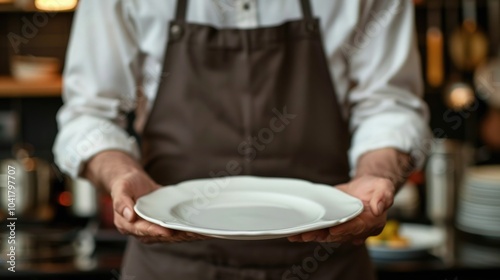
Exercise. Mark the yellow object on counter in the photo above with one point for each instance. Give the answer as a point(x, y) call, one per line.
point(390, 237)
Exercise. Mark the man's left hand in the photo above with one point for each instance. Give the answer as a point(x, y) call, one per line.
point(377, 195)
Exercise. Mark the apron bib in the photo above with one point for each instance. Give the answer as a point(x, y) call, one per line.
point(246, 102)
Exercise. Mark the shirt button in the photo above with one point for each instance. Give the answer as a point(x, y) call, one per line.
point(246, 6)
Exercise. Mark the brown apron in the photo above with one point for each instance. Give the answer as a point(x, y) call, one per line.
point(246, 102)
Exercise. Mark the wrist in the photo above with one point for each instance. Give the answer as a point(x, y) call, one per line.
point(387, 163)
point(106, 167)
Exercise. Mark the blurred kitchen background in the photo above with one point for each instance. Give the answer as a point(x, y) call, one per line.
point(65, 228)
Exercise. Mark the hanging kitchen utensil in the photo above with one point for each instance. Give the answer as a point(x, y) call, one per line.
point(468, 44)
point(458, 93)
point(452, 25)
point(434, 40)
point(487, 82)
point(494, 24)
point(487, 76)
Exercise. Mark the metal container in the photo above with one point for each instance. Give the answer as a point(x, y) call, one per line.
point(33, 187)
point(84, 198)
point(444, 172)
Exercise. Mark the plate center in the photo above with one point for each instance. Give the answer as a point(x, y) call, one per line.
point(250, 212)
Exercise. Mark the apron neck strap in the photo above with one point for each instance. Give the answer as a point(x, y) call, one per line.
point(181, 9)
point(306, 9)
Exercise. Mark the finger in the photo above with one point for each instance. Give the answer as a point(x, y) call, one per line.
point(295, 238)
point(310, 236)
point(381, 200)
point(322, 236)
point(184, 235)
point(178, 236)
point(195, 236)
point(337, 238)
point(354, 227)
point(142, 228)
point(150, 229)
point(378, 226)
point(170, 239)
point(126, 227)
point(344, 188)
point(319, 236)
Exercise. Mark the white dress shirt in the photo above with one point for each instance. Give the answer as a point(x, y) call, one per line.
point(116, 52)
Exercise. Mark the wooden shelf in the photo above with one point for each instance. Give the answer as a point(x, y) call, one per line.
point(11, 8)
point(12, 88)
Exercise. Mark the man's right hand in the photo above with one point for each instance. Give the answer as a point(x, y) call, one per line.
point(124, 179)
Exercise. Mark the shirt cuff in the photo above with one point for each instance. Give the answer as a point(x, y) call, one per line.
point(408, 133)
point(83, 138)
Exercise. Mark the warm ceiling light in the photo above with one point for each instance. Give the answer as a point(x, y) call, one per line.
point(55, 5)
point(460, 97)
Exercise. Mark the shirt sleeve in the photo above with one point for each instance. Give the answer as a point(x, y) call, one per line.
point(99, 85)
point(386, 104)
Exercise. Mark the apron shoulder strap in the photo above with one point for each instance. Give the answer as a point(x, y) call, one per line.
point(181, 9)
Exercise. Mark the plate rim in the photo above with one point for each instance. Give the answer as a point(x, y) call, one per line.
point(246, 234)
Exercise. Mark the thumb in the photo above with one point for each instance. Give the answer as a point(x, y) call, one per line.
point(123, 205)
point(380, 202)
point(343, 187)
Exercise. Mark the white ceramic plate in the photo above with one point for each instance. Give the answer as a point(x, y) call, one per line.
point(423, 238)
point(477, 224)
point(248, 207)
point(481, 222)
point(489, 174)
point(481, 210)
point(478, 221)
point(483, 191)
point(473, 197)
point(464, 225)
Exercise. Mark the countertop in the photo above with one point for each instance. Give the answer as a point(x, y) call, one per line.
point(451, 262)
point(12, 88)
point(461, 256)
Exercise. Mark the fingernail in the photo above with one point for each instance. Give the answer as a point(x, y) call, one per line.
point(310, 237)
point(127, 214)
point(294, 239)
point(380, 207)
